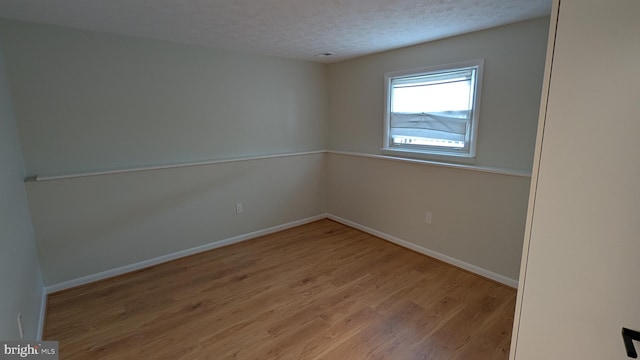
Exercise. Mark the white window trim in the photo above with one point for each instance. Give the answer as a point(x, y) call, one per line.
point(434, 154)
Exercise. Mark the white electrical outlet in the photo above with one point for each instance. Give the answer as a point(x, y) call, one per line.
point(239, 208)
point(427, 217)
point(20, 328)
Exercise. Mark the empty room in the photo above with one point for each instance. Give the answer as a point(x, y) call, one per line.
point(281, 180)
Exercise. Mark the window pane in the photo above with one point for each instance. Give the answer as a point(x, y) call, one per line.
point(433, 111)
point(450, 96)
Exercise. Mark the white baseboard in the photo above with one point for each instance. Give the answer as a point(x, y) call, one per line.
point(434, 254)
point(179, 254)
point(43, 314)
point(236, 239)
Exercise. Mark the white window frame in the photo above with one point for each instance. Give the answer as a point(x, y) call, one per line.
point(428, 152)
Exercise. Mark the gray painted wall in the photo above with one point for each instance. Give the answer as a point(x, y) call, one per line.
point(93, 224)
point(512, 83)
point(91, 101)
point(478, 218)
point(20, 282)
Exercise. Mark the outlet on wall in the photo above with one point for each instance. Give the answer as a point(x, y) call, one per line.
point(427, 217)
point(239, 208)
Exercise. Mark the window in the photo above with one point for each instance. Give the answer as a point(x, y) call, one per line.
point(433, 110)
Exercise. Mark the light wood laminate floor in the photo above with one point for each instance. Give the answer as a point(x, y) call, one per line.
point(318, 291)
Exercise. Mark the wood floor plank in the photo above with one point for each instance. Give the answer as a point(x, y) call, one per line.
point(320, 291)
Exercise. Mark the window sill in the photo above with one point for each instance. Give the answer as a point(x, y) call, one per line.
point(431, 156)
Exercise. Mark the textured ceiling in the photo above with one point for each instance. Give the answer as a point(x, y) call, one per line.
point(287, 28)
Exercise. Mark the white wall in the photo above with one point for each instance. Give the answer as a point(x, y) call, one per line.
point(579, 285)
point(478, 218)
point(89, 101)
point(20, 283)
